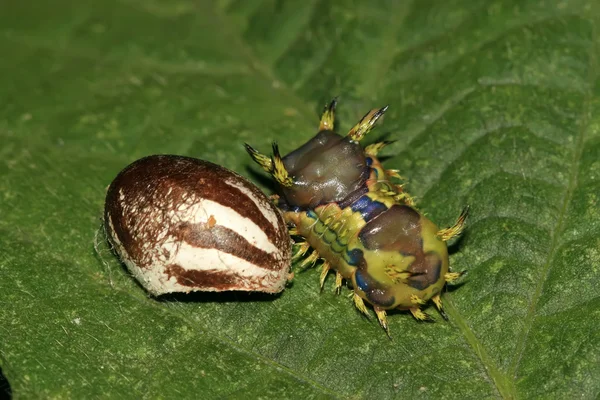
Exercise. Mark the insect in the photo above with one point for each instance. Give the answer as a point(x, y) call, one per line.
point(181, 224)
point(340, 202)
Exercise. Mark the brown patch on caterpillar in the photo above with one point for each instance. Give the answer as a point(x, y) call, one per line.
point(425, 270)
point(399, 229)
point(325, 169)
point(396, 229)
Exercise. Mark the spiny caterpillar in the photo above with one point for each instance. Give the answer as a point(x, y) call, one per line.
point(338, 198)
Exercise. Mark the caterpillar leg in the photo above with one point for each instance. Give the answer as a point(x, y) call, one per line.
point(273, 165)
point(302, 249)
point(407, 199)
point(382, 317)
point(394, 173)
point(338, 282)
point(324, 271)
point(420, 315)
point(310, 260)
point(360, 304)
point(437, 300)
point(381, 314)
point(366, 124)
point(263, 160)
point(456, 229)
point(328, 117)
point(375, 148)
point(279, 172)
point(451, 277)
point(416, 300)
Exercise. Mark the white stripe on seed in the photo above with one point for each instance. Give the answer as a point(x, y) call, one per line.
point(265, 208)
point(193, 258)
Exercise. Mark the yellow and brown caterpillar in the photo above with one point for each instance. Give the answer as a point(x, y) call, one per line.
point(339, 201)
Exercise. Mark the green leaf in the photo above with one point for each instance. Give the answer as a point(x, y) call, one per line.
point(493, 104)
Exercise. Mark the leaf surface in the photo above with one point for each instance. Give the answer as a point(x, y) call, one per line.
point(493, 104)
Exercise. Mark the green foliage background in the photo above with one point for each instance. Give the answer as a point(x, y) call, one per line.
point(495, 104)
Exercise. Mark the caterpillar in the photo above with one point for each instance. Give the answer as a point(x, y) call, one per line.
point(339, 201)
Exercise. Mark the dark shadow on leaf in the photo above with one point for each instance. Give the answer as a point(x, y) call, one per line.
point(432, 312)
point(382, 138)
point(455, 286)
point(5, 390)
point(382, 159)
point(386, 136)
point(217, 297)
point(262, 179)
point(455, 246)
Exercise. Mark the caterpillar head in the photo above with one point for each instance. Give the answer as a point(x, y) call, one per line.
point(328, 168)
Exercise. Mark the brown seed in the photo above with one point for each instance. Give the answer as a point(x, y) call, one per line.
point(181, 224)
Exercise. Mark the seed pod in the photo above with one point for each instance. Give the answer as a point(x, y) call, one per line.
point(181, 224)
